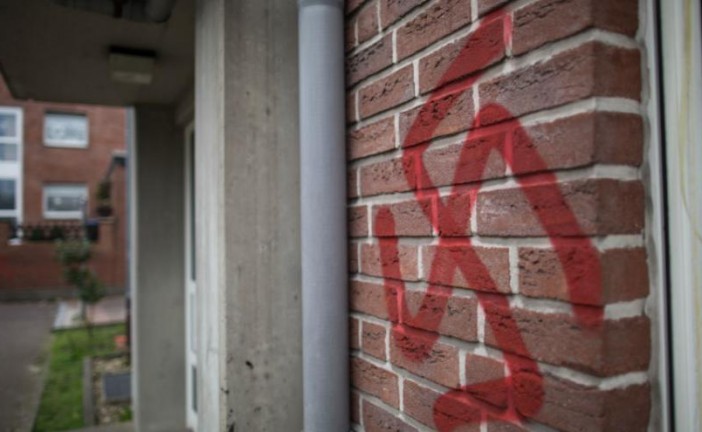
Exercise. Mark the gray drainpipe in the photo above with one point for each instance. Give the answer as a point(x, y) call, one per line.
point(323, 207)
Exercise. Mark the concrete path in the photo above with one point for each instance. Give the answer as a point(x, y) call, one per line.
point(122, 427)
point(25, 330)
point(109, 310)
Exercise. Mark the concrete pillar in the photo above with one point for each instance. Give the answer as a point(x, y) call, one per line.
point(247, 162)
point(156, 242)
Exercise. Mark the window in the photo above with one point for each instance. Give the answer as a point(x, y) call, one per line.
point(8, 152)
point(10, 163)
point(65, 130)
point(8, 196)
point(65, 201)
point(8, 125)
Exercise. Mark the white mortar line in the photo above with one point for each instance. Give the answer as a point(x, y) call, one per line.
point(514, 269)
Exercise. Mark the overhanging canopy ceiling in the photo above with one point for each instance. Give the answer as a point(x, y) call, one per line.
point(54, 53)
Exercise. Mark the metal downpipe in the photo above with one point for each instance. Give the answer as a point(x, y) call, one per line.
point(323, 208)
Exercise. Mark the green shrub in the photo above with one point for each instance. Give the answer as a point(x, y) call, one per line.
point(72, 252)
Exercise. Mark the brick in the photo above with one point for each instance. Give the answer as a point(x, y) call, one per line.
point(352, 5)
point(592, 69)
point(393, 10)
point(480, 49)
point(485, 6)
point(438, 261)
point(618, 138)
point(372, 139)
point(419, 402)
point(367, 22)
point(350, 41)
point(354, 333)
point(408, 349)
point(373, 340)
point(579, 140)
point(446, 115)
point(613, 347)
point(358, 221)
point(388, 176)
point(440, 19)
point(485, 380)
point(477, 158)
point(375, 381)
point(386, 92)
point(544, 21)
point(411, 218)
point(371, 298)
point(441, 312)
point(373, 264)
point(376, 419)
point(451, 411)
point(571, 407)
point(624, 273)
point(454, 215)
point(352, 183)
point(368, 61)
point(575, 208)
point(354, 248)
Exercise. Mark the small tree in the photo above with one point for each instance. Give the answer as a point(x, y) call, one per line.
point(74, 256)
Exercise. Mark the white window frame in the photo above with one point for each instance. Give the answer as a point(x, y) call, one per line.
point(190, 285)
point(66, 143)
point(13, 170)
point(66, 215)
point(682, 97)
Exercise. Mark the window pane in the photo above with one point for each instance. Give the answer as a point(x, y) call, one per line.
point(7, 195)
point(8, 152)
point(66, 128)
point(65, 198)
point(8, 125)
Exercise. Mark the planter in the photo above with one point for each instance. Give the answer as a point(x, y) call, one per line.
point(92, 230)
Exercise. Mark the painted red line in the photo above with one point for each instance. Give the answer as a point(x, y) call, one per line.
point(523, 386)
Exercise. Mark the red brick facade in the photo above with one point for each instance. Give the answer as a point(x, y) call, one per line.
point(30, 266)
point(496, 216)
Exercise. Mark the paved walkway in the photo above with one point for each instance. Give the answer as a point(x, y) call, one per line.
point(25, 330)
point(109, 310)
point(122, 427)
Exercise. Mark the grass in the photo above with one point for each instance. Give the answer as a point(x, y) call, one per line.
point(61, 406)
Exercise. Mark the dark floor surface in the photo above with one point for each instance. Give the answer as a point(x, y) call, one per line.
point(25, 330)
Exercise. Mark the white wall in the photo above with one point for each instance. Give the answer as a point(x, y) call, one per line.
point(157, 290)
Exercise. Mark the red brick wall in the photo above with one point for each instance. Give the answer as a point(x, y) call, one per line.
point(496, 216)
point(30, 269)
point(44, 165)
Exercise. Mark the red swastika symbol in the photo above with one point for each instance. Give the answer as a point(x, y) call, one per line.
point(522, 388)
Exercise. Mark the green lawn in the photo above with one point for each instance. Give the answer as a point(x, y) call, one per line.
point(61, 405)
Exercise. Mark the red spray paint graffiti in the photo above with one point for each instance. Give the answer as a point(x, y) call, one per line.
point(522, 388)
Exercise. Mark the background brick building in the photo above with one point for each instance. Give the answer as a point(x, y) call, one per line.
point(53, 173)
